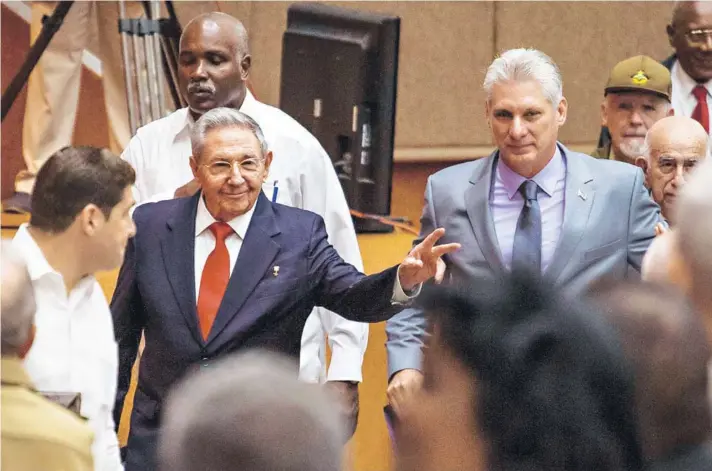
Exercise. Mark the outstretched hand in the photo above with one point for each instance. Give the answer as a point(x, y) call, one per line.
point(421, 264)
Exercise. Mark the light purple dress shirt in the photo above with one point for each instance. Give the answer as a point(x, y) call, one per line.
point(506, 203)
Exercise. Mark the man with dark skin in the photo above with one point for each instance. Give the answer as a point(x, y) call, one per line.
point(690, 34)
point(213, 67)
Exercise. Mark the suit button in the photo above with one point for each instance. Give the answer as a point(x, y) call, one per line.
point(204, 361)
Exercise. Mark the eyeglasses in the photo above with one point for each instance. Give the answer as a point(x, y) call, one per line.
point(668, 165)
point(223, 168)
point(698, 37)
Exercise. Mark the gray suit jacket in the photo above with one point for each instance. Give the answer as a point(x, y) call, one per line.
point(609, 222)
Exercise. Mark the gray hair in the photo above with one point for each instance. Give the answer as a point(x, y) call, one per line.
point(17, 302)
point(219, 118)
point(694, 230)
point(249, 412)
point(526, 64)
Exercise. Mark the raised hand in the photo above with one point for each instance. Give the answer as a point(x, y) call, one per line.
point(421, 264)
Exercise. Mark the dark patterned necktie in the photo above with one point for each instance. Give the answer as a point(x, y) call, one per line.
point(526, 252)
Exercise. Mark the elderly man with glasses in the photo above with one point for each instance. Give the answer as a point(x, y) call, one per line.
point(690, 34)
point(672, 148)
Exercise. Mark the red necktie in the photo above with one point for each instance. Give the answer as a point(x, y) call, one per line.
point(216, 275)
point(701, 113)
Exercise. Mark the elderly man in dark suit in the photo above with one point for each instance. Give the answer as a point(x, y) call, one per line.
point(533, 204)
point(227, 269)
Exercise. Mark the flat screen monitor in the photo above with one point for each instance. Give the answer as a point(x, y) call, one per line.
point(339, 79)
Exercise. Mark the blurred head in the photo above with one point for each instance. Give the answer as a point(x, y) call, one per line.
point(525, 108)
point(660, 260)
point(18, 304)
point(663, 339)
point(518, 378)
point(694, 235)
point(249, 412)
point(672, 148)
point(690, 34)
point(213, 63)
point(231, 161)
point(85, 192)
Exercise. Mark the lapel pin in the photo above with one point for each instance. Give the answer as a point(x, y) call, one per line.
point(581, 195)
point(275, 270)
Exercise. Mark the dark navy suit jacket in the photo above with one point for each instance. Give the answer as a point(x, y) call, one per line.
point(155, 294)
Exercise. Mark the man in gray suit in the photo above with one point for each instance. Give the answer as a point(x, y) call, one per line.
point(533, 205)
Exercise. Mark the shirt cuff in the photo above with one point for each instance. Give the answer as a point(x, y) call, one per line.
point(346, 363)
point(400, 296)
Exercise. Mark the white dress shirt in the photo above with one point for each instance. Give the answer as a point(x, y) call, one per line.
point(683, 101)
point(305, 179)
point(74, 349)
point(507, 202)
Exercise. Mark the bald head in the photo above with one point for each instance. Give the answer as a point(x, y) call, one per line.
point(214, 63)
point(673, 147)
point(663, 339)
point(249, 412)
point(228, 26)
point(17, 302)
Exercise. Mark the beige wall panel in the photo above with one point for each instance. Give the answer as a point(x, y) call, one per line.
point(444, 47)
point(585, 39)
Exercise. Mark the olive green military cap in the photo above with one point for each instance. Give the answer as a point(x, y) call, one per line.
point(640, 73)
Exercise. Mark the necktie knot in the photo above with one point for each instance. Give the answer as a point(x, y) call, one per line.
point(529, 190)
point(700, 92)
point(221, 230)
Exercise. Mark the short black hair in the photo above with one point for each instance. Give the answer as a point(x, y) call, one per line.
point(553, 391)
point(74, 177)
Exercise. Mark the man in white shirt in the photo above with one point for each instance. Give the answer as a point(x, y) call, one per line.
point(214, 63)
point(80, 224)
point(690, 34)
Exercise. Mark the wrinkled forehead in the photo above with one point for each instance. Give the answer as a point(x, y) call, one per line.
point(231, 143)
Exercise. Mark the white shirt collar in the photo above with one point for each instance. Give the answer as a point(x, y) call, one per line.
point(203, 220)
point(37, 264)
point(684, 81)
point(184, 120)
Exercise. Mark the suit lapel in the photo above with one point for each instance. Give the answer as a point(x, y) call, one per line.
point(480, 214)
point(578, 201)
point(256, 254)
point(178, 247)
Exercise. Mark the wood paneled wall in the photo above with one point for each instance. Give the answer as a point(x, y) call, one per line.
point(446, 47)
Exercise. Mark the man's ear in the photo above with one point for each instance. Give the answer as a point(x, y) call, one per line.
point(90, 219)
point(562, 111)
point(670, 34)
point(604, 117)
point(643, 163)
point(268, 162)
point(193, 166)
point(671, 112)
point(245, 65)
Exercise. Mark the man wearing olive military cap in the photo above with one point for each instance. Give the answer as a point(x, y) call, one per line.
point(636, 96)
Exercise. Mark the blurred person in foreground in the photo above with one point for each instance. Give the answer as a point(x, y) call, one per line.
point(248, 412)
point(666, 344)
point(36, 433)
point(517, 377)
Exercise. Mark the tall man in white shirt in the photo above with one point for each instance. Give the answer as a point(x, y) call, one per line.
point(80, 224)
point(214, 64)
point(690, 34)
